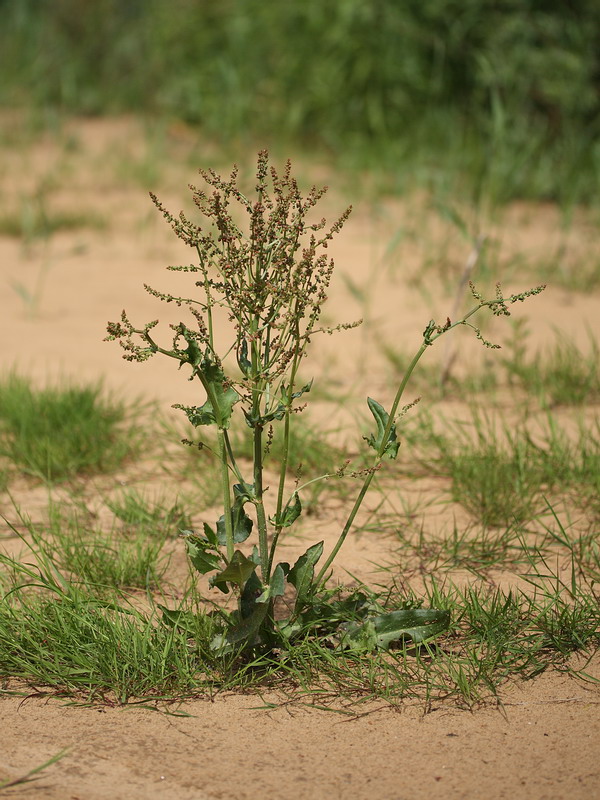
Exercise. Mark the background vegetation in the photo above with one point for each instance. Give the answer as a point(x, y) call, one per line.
point(503, 92)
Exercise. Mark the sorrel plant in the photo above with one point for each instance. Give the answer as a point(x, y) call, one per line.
point(268, 280)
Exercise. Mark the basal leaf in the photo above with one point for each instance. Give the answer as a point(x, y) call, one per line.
point(251, 593)
point(276, 587)
point(245, 633)
point(278, 580)
point(379, 631)
point(185, 620)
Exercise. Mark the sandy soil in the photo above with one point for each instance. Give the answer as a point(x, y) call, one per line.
point(541, 743)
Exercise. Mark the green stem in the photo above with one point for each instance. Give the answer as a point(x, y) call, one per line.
point(232, 462)
point(346, 529)
point(263, 544)
point(226, 493)
point(285, 457)
point(384, 439)
point(281, 488)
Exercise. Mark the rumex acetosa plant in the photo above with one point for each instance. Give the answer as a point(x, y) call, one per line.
point(267, 280)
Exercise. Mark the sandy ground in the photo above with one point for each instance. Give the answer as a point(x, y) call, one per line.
point(542, 743)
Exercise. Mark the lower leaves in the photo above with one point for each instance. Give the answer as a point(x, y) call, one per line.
point(358, 621)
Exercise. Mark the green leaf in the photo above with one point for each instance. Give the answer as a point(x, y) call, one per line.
point(295, 395)
point(200, 416)
point(241, 522)
point(391, 445)
point(378, 632)
point(278, 580)
point(244, 491)
point(252, 422)
point(210, 535)
point(302, 573)
point(237, 571)
point(225, 398)
point(244, 634)
point(290, 513)
point(253, 589)
point(193, 354)
point(277, 586)
point(278, 412)
point(198, 552)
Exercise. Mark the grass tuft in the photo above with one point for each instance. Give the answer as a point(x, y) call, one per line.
point(61, 431)
point(561, 376)
point(151, 517)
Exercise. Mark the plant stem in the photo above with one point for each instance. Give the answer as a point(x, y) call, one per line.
point(377, 460)
point(232, 462)
point(427, 341)
point(263, 544)
point(286, 454)
point(280, 490)
point(226, 493)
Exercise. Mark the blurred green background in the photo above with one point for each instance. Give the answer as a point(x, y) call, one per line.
point(502, 96)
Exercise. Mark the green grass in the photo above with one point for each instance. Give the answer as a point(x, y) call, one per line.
point(476, 548)
point(29, 775)
point(581, 276)
point(560, 375)
point(495, 485)
point(500, 470)
point(103, 559)
point(153, 517)
point(62, 431)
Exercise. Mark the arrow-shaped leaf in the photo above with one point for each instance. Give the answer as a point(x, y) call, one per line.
point(302, 573)
point(391, 445)
point(199, 553)
point(245, 633)
point(290, 513)
point(241, 522)
point(237, 571)
point(225, 397)
point(378, 632)
point(277, 586)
